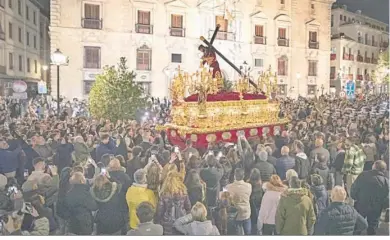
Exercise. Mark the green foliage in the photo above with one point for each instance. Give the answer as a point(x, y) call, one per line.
point(381, 74)
point(115, 95)
point(227, 85)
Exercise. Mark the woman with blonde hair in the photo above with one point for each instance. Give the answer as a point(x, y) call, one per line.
point(172, 167)
point(227, 213)
point(269, 204)
point(174, 202)
point(111, 217)
point(196, 223)
point(153, 174)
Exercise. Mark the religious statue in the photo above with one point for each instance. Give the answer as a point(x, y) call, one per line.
point(210, 58)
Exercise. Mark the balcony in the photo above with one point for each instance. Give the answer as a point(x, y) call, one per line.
point(367, 60)
point(332, 75)
point(359, 77)
point(177, 32)
point(92, 23)
point(359, 58)
point(144, 28)
point(333, 56)
point(229, 36)
point(260, 40)
point(283, 42)
point(374, 61)
point(348, 57)
point(314, 45)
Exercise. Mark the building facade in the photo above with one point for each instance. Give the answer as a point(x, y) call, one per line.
point(156, 36)
point(357, 41)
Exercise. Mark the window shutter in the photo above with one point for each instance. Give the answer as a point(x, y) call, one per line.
point(259, 30)
point(282, 33)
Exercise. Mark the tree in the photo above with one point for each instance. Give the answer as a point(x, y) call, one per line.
point(115, 95)
point(381, 74)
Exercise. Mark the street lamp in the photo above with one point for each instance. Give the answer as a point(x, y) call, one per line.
point(298, 77)
point(58, 59)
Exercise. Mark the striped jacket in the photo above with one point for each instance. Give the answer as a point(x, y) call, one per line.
point(354, 161)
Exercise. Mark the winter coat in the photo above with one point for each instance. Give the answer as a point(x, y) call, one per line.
point(266, 170)
point(241, 193)
point(295, 213)
point(112, 212)
point(371, 192)
point(339, 161)
point(44, 151)
point(283, 164)
point(132, 166)
point(122, 148)
point(80, 205)
point(122, 178)
point(81, 152)
point(323, 170)
point(146, 229)
point(187, 226)
point(9, 160)
point(171, 208)
point(269, 205)
point(339, 219)
point(231, 214)
point(103, 149)
point(197, 193)
point(40, 228)
point(135, 195)
point(255, 199)
point(302, 165)
point(30, 155)
point(212, 177)
point(321, 198)
point(370, 151)
point(319, 150)
point(63, 156)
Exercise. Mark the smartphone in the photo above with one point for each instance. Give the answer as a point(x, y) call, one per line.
point(12, 189)
point(176, 150)
point(224, 189)
point(190, 155)
point(211, 153)
point(26, 173)
point(220, 154)
point(103, 171)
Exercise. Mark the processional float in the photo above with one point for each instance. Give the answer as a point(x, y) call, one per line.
point(204, 112)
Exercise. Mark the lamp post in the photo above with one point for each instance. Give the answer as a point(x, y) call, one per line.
point(58, 59)
point(298, 77)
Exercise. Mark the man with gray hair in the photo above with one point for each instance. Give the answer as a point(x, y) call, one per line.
point(371, 194)
point(136, 194)
point(284, 163)
point(339, 218)
point(266, 169)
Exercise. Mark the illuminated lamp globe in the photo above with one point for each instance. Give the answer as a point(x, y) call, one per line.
point(57, 58)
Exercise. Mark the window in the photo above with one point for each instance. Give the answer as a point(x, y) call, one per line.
point(144, 17)
point(35, 42)
point(282, 33)
point(332, 72)
point(10, 61)
point(10, 30)
point(312, 36)
point(20, 34)
point(331, 20)
point(176, 58)
point(35, 66)
point(92, 57)
point(10, 3)
point(27, 13)
point(176, 21)
point(258, 62)
point(341, 17)
point(144, 58)
point(313, 68)
point(282, 66)
point(28, 38)
point(311, 89)
point(223, 22)
point(88, 86)
point(259, 31)
point(92, 16)
point(345, 18)
point(312, 6)
point(19, 7)
point(20, 63)
point(28, 65)
point(282, 1)
point(35, 18)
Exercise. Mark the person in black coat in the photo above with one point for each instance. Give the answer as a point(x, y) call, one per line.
point(63, 157)
point(371, 194)
point(339, 218)
point(266, 169)
point(79, 206)
point(117, 174)
point(135, 163)
point(107, 146)
point(112, 213)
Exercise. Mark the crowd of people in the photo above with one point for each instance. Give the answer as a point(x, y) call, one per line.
point(325, 174)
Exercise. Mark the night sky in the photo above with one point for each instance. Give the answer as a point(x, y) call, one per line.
point(377, 9)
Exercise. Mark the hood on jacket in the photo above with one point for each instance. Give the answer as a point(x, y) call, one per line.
point(269, 187)
point(106, 193)
point(81, 148)
point(301, 155)
point(318, 190)
point(296, 194)
point(202, 228)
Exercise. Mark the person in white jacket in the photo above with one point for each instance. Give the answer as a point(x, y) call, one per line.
point(269, 204)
